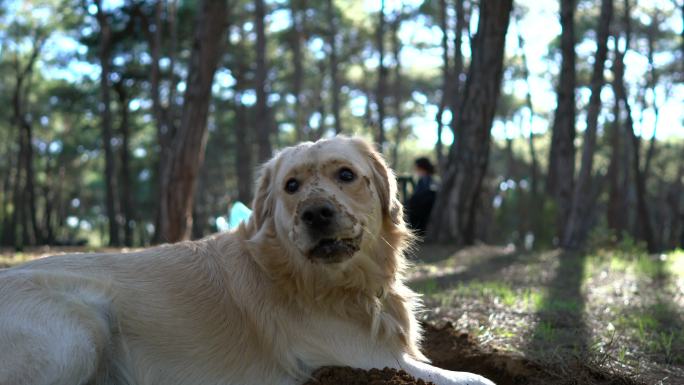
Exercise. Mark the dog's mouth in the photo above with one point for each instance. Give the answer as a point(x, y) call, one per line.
point(334, 250)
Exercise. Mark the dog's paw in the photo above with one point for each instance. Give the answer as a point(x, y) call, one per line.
point(440, 376)
point(461, 378)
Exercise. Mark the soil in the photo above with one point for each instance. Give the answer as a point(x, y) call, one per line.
point(452, 350)
point(351, 376)
point(449, 349)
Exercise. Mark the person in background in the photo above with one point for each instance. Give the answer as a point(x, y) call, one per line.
point(420, 203)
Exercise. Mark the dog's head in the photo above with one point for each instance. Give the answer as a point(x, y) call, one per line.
point(327, 227)
point(329, 201)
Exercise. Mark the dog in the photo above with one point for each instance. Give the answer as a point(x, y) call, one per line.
point(314, 278)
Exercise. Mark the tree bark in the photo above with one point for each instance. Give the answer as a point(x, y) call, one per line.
point(20, 237)
point(297, 58)
point(530, 211)
point(615, 213)
point(9, 180)
point(50, 199)
point(262, 120)
point(643, 210)
point(200, 209)
point(110, 168)
point(316, 133)
point(398, 88)
point(382, 78)
point(164, 116)
point(561, 172)
point(676, 214)
point(243, 155)
point(125, 195)
point(681, 47)
point(583, 200)
point(652, 83)
point(187, 151)
point(243, 140)
point(439, 117)
point(457, 201)
point(171, 108)
point(24, 207)
point(456, 87)
point(334, 65)
point(534, 165)
point(36, 234)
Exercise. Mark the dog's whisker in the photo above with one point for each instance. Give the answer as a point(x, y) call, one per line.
point(388, 244)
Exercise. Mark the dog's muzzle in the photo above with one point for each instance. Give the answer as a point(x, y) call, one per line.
point(331, 239)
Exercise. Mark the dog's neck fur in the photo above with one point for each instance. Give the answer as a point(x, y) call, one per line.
point(368, 290)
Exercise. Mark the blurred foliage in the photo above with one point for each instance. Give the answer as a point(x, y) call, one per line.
point(63, 106)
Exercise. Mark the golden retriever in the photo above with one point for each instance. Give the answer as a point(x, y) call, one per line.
point(314, 278)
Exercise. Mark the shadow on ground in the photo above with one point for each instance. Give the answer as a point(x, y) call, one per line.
point(440, 271)
point(561, 329)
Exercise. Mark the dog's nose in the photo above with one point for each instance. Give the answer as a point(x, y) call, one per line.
point(319, 216)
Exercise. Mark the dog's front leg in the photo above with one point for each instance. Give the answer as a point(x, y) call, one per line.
point(439, 376)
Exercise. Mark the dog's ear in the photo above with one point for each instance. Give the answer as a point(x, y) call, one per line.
point(385, 182)
point(262, 205)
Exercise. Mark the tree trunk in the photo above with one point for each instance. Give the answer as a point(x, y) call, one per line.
point(676, 214)
point(439, 152)
point(187, 151)
point(24, 207)
point(398, 96)
point(162, 116)
point(243, 140)
point(681, 40)
point(20, 237)
point(319, 106)
point(643, 211)
point(36, 234)
point(125, 196)
point(652, 83)
point(615, 214)
point(49, 197)
point(105, 109)
point(171, 110)
point(534, 166)
point(334, 65)
point(297, 58)
point(243, 155)
point(561, 172)
point(469, 154)
point(382, 78)
point(9, 180)
point(200, 203)
point(456, 87)
point(575, 230)
point(262, 119)
point(640, 182)
point(530, 211)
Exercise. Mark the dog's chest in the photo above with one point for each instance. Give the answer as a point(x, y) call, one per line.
point(328, 341)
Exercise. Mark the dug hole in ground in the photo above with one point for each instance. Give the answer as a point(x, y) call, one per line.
point(449, 349)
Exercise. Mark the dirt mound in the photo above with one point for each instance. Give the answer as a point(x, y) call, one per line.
point(351, 376)
point(452, 350)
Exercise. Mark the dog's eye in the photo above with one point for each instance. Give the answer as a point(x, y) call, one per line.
point(346, 175)
point(292, 185)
